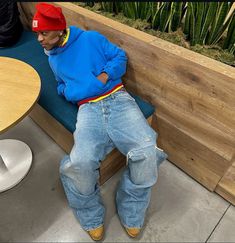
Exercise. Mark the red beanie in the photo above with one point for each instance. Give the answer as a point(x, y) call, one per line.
point(48, 17)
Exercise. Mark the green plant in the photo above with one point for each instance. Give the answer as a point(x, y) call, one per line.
point(156, 9)
point(137, 10)
point(178, 12)
point(164, 16)
point(208, 16)
point(205, 23)
point(208, 11)
point(168, 16)
point(229, 42)
point(220, 23)
point(90, 4)
point(112, 7)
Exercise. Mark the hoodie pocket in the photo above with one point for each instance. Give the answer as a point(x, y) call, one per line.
point(97, 82)
point(95, 86)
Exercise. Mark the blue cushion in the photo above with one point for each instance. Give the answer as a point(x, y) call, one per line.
point(29, 51)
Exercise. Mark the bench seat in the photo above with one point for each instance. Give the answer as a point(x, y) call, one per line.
point(53, 113)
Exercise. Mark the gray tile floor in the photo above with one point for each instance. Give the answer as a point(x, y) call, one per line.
point(36, 210)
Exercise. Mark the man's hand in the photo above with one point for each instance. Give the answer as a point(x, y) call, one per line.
point(103, 77)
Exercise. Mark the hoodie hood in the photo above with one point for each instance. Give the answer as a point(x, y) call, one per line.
point(74, 34)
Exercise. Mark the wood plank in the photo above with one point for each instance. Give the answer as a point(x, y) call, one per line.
point(53, 128)
point(204, 132)
point(189, 154)
point(226, 186)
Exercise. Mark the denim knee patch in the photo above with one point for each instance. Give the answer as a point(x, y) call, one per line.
point(142, 163)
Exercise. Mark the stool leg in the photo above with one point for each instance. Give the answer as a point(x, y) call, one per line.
point(3, 167)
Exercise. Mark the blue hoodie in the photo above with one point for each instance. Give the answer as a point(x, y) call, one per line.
point(77, 64)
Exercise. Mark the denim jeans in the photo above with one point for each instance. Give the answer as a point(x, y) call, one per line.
point(115, 121)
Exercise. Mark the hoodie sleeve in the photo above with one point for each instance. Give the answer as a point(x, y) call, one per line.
point(60, 82)
point(116, 59)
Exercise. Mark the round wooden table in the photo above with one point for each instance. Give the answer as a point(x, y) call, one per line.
point(19, 90)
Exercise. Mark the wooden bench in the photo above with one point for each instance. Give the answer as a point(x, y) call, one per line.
point(194, 96)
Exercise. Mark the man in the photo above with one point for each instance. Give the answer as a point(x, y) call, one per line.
point(88, 69)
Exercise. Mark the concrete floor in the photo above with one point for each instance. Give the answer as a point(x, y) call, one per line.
point(36, 210)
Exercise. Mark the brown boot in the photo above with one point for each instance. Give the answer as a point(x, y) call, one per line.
point(96, 234)
point(133, 232)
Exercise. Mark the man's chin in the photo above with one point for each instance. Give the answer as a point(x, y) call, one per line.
point(47, 48)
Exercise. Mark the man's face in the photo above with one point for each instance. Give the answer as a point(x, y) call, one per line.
point(49, 39)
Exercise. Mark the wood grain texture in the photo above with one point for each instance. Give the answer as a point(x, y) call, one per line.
point(53, 128)
point(19, 90)
point(226, 186)
point(188, 154)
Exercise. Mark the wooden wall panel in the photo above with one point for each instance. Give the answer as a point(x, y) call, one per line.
point(188, 154)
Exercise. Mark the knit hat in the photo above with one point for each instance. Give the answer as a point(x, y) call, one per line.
point(48, 17)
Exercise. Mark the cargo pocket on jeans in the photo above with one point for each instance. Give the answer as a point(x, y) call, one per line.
point(142, 165)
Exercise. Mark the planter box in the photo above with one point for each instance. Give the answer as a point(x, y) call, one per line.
point(194, 96)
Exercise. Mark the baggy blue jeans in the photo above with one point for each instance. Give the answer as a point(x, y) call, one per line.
point(115, 121)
